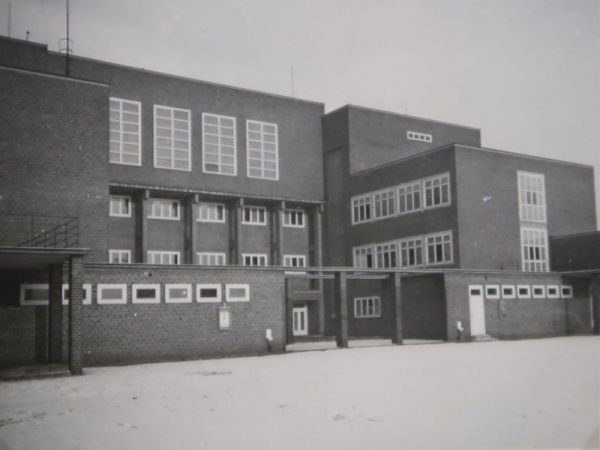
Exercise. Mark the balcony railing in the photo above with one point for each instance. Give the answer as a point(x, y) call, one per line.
point(39, 231)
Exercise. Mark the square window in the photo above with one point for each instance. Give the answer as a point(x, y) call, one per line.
point(524, 291)
point(208, 293)
point(538, 291)
point(492, 291)
point(508, 291)
point(237, 293)
point(553, 291)
point(145, 293)
point(566, 291)
point(178, 293)
point(119, 206)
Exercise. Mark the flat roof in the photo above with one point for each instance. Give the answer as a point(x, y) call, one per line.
point(12, 257)
point(55, 76)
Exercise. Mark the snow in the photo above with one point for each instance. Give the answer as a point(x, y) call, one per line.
point(520, 394)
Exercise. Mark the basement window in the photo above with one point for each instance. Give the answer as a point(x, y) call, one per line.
point(145, 293)
point(208, 293)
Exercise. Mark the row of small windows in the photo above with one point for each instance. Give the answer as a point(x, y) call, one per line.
point(121, 256)
point(510, 291)
point(416, 136)
point(37, 294)
point(410, 197)
point(429, 250)
point(121, 206)
point(173, 141)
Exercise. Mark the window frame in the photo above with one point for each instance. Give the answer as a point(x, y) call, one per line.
point(119, 251)
point(151, 253)
point(138, 287)
point(257, 209)
point(492, 296)
point(359, 312)
point(528, 264)
point(230, 287)
point(387, 200)
point(568, 288)
point(367, 204)
point(523, 286)
point(209, 255)
point(387, 250)
point(538, 286)
point(527, 211)
point(512, 287)
point(286, 259)
point(445, 180)
point(211, 207)
point(553, 286)
point(415, 247)
point(416, 191)
point(126, 198)
point(188, 150)
point(255, 255)
point(219, 154)
point(170, 299)
point(289, 213)
point(418, 136)
point(121, 131)
point(368, 250)
point(102, 301)
point(87, 294)
point(163, 201)
point(40, 302)
point(216, 299)
point(262, 150)
point(434, 236)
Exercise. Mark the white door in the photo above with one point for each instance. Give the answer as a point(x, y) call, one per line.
point(477, 310)
point(300, 320)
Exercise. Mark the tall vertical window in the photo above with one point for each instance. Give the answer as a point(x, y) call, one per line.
point(534, 246)
point(439, 248)
point(532, 197)
point(119, 206)
point(437, 191)
point(385, 203)
point(172, 138)
point(409, 197)
point(262, 150)
point(363, 257)
point(387, 255)
point(218, 144)
point(211, 212)
point(411, 252)
point(361, 209)
point(125, 132)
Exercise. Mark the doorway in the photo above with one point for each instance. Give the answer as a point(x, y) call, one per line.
point(300, 321)
point(476, 310)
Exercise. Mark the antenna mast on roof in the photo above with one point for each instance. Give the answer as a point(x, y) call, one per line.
point(66, 45)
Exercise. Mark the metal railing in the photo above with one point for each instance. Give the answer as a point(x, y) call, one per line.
point(39, 231)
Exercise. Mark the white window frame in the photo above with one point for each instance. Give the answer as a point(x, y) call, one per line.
point(158, 206)
point(384, 204)
point(87, 294)
point(566, 291)
point(211, 255)
point(362, 208)
point(489, 295)
point(443, 235)
point(120, 253)
point(415, 244)
point(531, 238)
point(288, 260)
point(556, 287)
point(219, 136)
point(294, 218)
point(417, 136)
point(361, 256)
point(150, 254)
point(386, 255)
point(170, 299)
point(40, 302)
point(120, 142)
point(255, 255)
point(254, 211)
point(361, 307)
point(532, 212)
point(102, 301)
point(216, 299)
point(138, 287)
point(208, 212)
point(523, 286)
point(121, 202)
point(408, 195)
point(444, 181)
point(538, 286)
point(511, 287)
point(261, 159)
point(230, 287)
point(171, 148)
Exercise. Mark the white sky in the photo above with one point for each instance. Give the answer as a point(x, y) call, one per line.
point(527, 72)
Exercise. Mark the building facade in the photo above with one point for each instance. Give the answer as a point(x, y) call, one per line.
point(192, 198)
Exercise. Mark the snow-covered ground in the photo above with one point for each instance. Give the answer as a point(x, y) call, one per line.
point(524, 394)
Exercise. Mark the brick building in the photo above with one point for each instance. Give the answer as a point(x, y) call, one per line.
point(188, 200)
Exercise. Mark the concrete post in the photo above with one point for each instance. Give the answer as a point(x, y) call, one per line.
point(55, 314)
point(190, 229)
point(394, 283)
point(235, 223)
point(141, 227)
point(75, 313)
point(276, 225)
point(341, 300)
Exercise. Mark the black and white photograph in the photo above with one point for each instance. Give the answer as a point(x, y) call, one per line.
point(299, 224)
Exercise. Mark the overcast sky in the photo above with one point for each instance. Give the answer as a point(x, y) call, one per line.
point(527, 72)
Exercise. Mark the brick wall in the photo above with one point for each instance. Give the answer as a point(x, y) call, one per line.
point(575, 252)
point(135, 333)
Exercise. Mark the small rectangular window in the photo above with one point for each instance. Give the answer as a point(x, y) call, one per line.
point(145, 293)
point(211, 258)
point(120, 206)
point(293, 218)
point(34, 294)
point(219, 144)
point(211, 212)
point(492, 291)
point(208, 293)
point(254, 215)
point(524, 291)
point(262, 151)
point(437, 191)
point(367, 307)
point(237, 293)
point(119, 256)
point(87, 294)
point(361, 209)
point(508, 291)
point(566, 291)
point(111, 294)
point(164, 209)
point(384, 204)
point(254, 259)
point(538, 291)
point(553, 291)
point(294, 260)
point(178, 293)
point(172, 138)
point(416, 136)
point(125, 127)
point(163, 257)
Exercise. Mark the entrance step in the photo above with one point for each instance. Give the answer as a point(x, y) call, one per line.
point(482, 338)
